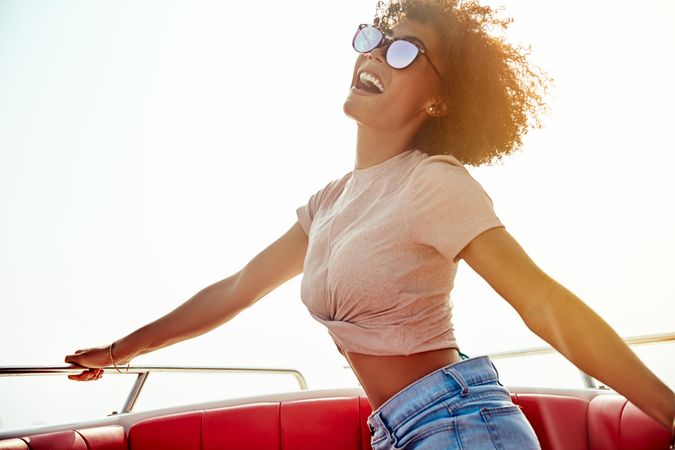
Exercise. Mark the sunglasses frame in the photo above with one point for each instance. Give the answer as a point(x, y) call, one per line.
point(386, 42)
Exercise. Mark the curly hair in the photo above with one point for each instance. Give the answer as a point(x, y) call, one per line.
point(493, 92)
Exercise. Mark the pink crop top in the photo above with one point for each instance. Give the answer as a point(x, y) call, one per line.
point(381, 256)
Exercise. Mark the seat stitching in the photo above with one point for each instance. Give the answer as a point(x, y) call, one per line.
point(358, 405)
point(83, 438)
point(279, 418)
point(621, 420)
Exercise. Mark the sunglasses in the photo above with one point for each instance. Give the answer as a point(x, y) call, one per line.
point(399, 52)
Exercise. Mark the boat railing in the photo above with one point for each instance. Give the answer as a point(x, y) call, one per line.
point(588, 381)
point(142, 373)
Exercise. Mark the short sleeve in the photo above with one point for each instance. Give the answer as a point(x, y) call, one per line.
point(446, 208)
point(307, 211)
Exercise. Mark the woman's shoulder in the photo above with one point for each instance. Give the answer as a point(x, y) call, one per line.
point(333, 188)
point(439, 162)
point(441, 177)
point(338, 185)
point(433, 170)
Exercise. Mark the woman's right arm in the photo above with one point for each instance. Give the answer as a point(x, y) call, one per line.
point(208, 308)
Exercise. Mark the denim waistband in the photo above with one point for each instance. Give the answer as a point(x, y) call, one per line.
point(446, 381)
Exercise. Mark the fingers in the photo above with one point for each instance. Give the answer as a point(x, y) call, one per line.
point(73, 358)
point(80, 377)
point(87, 375)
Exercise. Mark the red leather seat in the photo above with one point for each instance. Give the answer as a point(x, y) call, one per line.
point(13, 444)
point(558, 421)
point(174, 432)
point(331, 424)
point(608, 422)
point(326, 423)
point(105, 438)
point(70, 440)
point(257, 425)
point(616, 424)
point(99, 438)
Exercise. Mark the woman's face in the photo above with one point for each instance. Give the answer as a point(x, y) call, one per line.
point(407, 92)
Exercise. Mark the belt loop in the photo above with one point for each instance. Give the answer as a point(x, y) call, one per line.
point(378, 420)
point(458, 378)
point(494, 367)
point(496, 372)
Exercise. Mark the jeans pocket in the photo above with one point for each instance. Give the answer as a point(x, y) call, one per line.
point(509, 428)
point(437, 434)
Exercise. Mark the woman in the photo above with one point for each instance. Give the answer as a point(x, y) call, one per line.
point(379, 247)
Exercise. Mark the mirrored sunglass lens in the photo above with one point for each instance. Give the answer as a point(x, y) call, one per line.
point(401, 53)
point(367, 39)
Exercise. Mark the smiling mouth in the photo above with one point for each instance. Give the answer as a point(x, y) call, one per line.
point(367, 82)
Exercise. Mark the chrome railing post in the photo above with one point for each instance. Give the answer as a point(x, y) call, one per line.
point(588, 380)
point(135, 392)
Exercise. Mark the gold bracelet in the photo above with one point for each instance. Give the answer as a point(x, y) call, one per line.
point(113, 359)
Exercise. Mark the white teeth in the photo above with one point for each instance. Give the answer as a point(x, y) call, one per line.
point(367, 77)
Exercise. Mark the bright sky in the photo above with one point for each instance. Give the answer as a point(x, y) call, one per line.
point(148, 149)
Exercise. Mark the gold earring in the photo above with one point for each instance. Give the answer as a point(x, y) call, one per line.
point(432, 110)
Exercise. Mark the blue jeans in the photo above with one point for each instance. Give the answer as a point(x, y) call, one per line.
point(460, 406)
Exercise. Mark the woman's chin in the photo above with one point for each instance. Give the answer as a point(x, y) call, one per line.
point(353, 111)
point(357, 105)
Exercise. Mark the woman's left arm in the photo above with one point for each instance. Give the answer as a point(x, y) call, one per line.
point(560, 318)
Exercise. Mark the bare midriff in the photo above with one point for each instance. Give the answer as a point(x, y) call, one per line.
point(383, 376)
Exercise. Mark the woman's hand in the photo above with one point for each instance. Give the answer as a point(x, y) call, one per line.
point(94, 358)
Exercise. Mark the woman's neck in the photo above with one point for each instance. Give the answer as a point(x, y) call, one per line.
point(374, 146)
